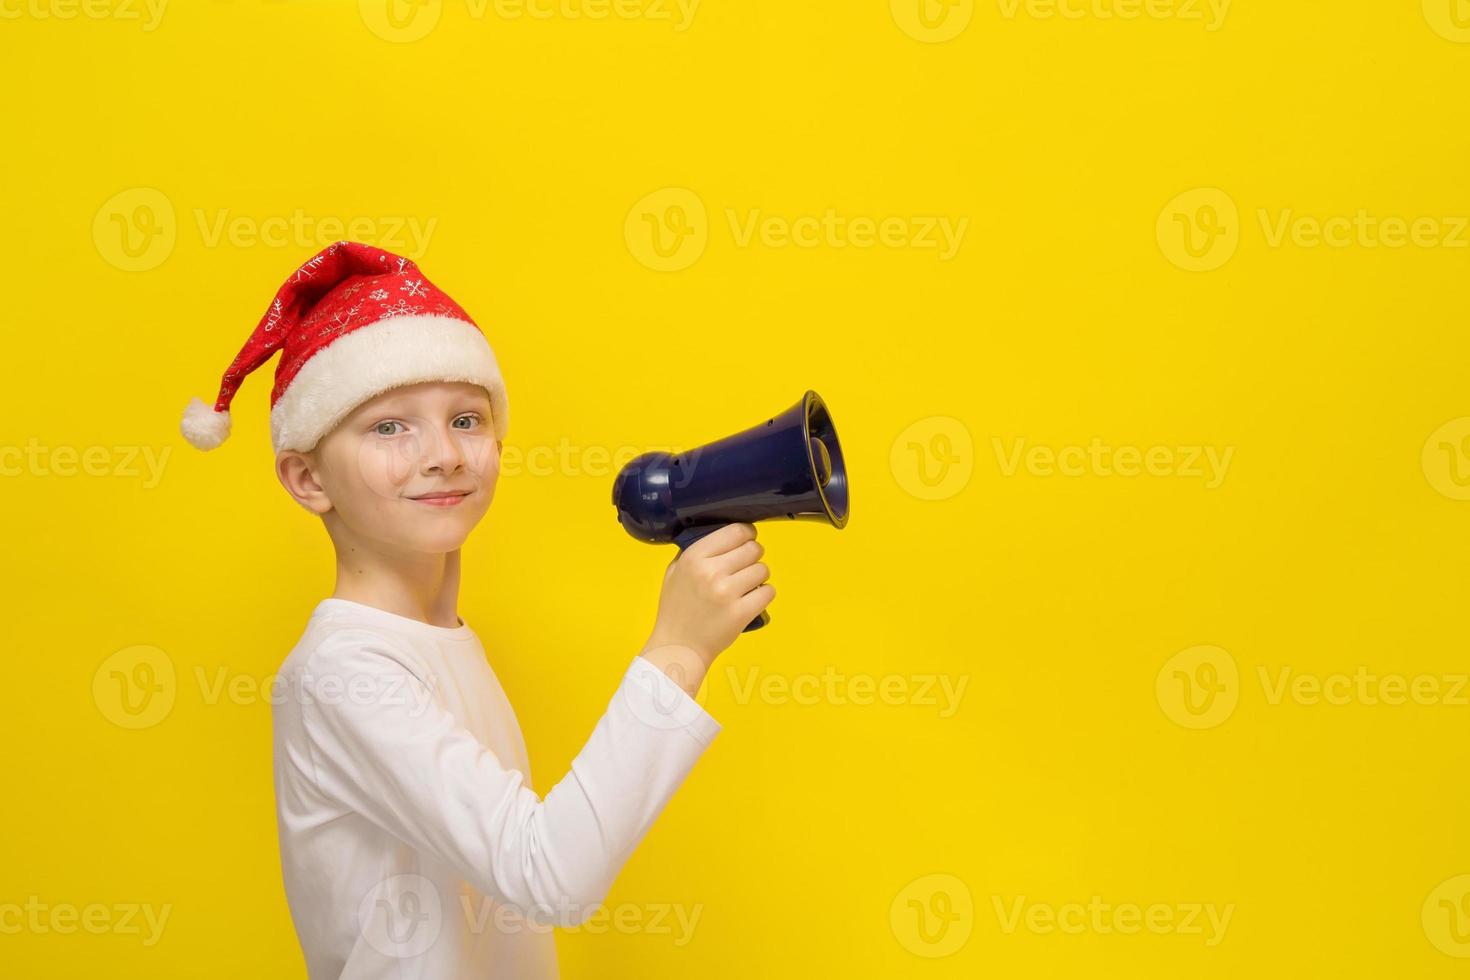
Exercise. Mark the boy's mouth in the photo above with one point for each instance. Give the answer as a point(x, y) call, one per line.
point(442, 498)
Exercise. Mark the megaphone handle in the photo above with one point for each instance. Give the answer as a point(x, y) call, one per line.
point(690, 535)
point(758, 622)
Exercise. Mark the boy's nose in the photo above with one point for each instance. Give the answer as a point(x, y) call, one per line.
point(441, 451)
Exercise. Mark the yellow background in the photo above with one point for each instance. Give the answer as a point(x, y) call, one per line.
point(1068, 313)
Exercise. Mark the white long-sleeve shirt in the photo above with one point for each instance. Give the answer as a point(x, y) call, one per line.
point(412, 845)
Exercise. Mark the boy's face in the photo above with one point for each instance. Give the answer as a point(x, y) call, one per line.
point(412, 469)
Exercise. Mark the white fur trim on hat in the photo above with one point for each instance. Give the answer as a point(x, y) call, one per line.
point(400, 350)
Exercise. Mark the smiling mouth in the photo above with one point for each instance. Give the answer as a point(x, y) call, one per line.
point(441, 499)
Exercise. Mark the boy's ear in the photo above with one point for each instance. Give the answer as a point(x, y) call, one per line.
point(296, 471)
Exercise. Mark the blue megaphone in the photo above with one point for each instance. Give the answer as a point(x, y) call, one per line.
point(789, 466)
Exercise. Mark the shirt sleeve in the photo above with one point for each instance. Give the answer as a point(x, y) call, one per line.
point(395, 755)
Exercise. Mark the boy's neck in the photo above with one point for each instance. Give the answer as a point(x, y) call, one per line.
point(424, 587)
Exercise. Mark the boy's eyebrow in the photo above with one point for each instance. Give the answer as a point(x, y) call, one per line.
point(394, 404)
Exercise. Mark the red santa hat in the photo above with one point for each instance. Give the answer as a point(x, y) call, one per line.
point(352, 322)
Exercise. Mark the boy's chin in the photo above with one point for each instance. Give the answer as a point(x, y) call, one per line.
point(433, 533)
point(440, 541)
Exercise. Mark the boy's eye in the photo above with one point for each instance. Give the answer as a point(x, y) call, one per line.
point(386, 427)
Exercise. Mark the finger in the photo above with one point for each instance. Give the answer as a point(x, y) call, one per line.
point(751, 604)
point(718, 542)
point(749, 577)
point(734, 560)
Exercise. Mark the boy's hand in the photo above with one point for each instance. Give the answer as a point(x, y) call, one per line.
point(711, 591)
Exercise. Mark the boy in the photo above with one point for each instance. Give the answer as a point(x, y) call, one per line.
point(411, 842)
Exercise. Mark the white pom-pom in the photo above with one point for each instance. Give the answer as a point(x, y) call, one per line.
point(203, 426)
